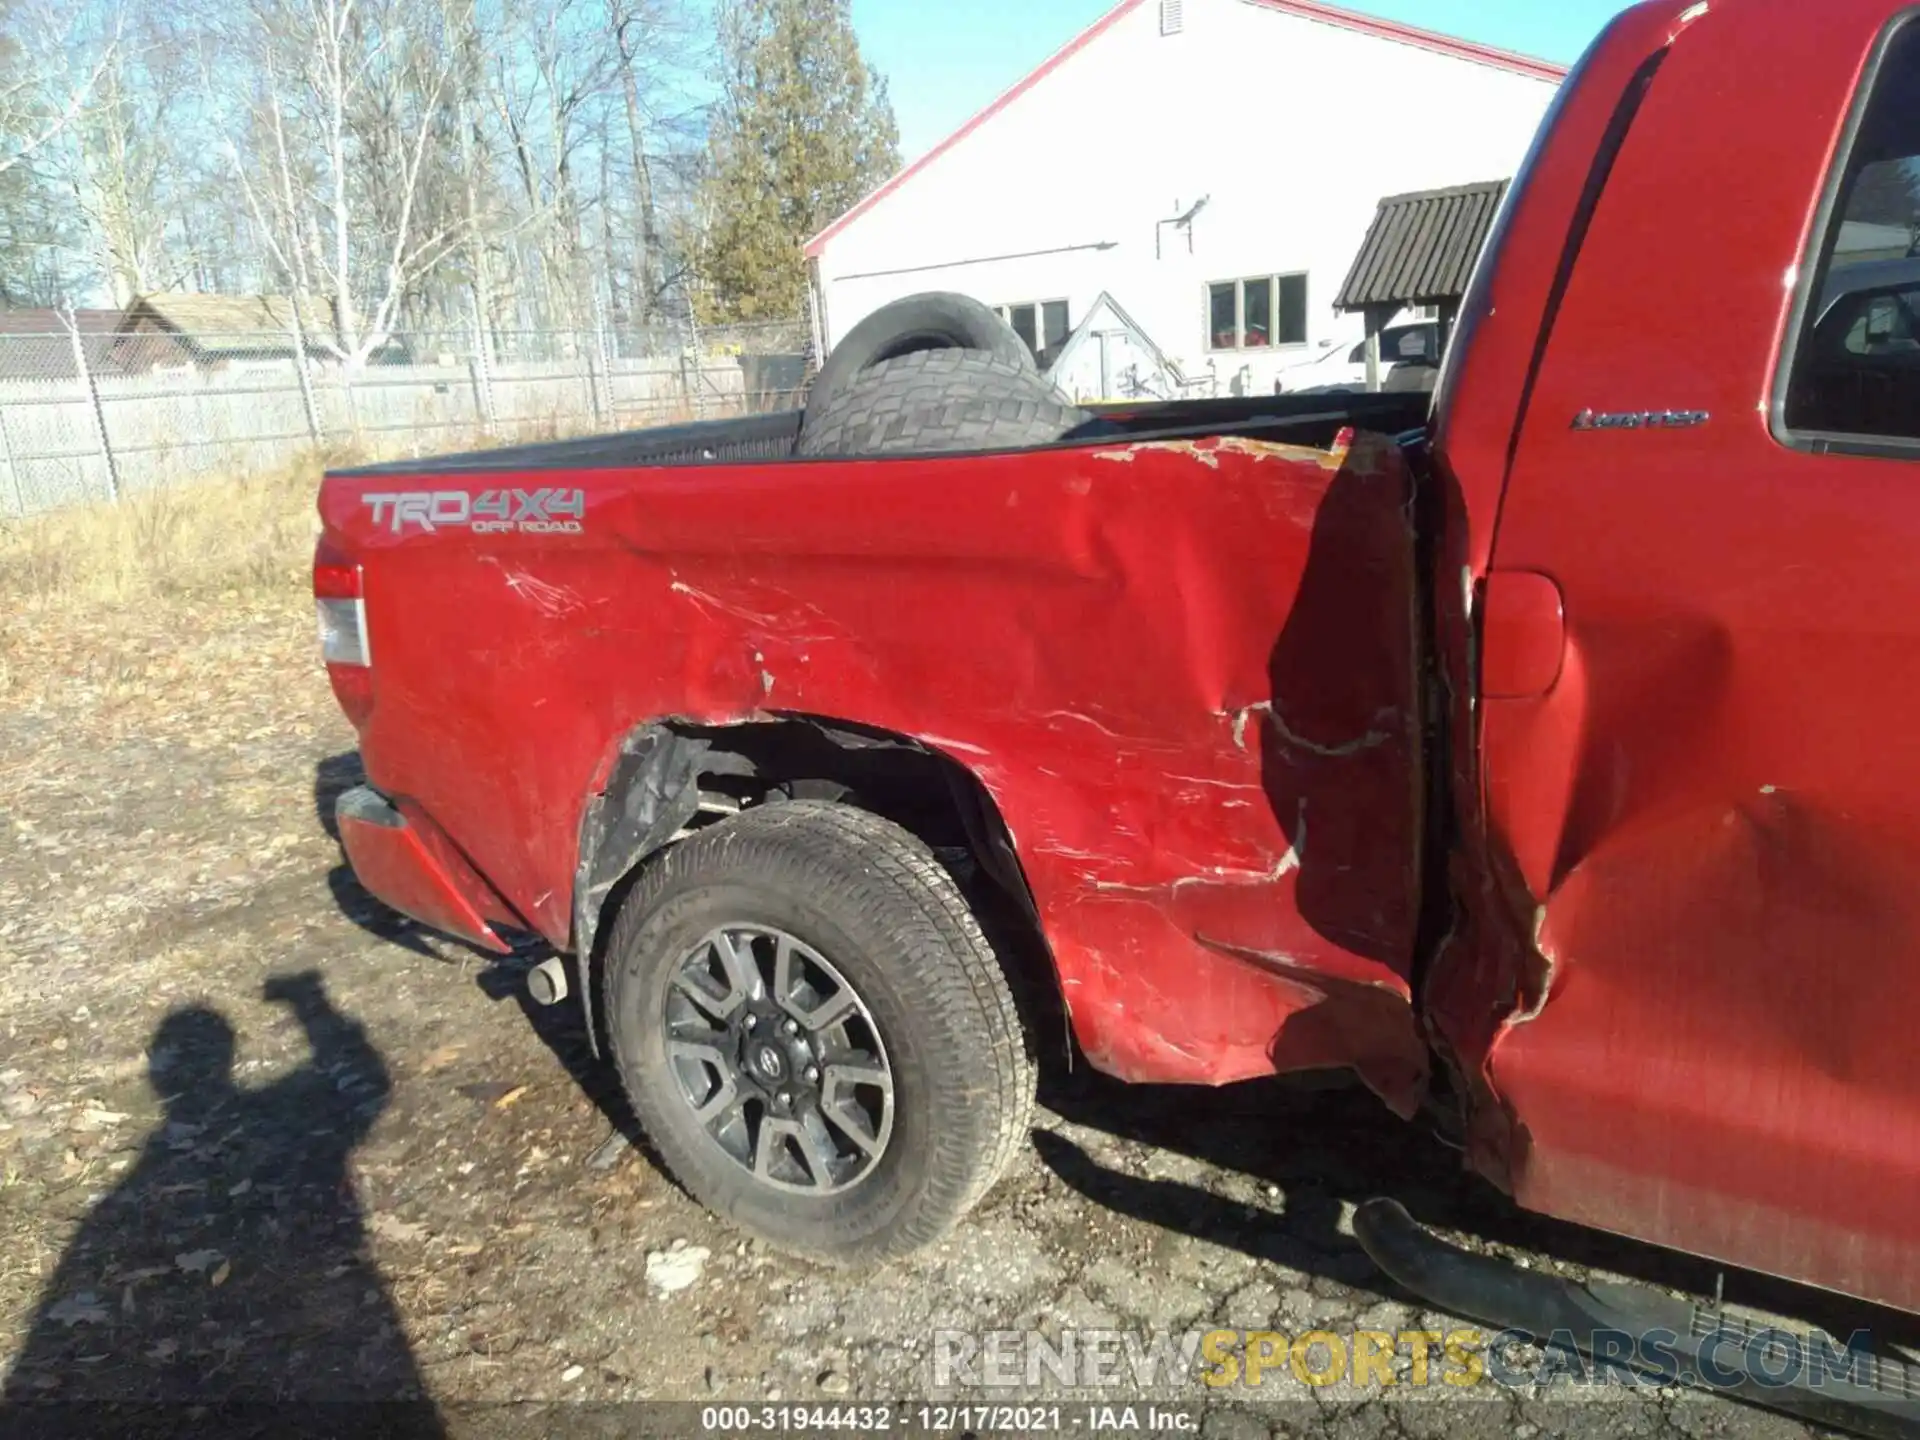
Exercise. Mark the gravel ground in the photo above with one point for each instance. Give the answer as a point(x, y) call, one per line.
point(261, 1139)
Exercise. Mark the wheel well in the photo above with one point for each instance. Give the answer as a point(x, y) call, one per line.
point(673, 778)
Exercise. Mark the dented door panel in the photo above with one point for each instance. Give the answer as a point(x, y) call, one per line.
point(1702, 862)
point(1183, 670)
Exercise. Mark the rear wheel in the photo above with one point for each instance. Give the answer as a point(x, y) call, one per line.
point(936, 401)
point(815, 1033)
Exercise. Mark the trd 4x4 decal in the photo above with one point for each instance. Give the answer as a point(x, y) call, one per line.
point(530, 512)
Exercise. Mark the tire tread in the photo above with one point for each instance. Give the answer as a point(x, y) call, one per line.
point(847, 857)
point(939, 401)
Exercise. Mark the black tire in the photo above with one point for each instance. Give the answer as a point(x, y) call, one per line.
point(934, 321)
point(862, 891)
point(937, 401)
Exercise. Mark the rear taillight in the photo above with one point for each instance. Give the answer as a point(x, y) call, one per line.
point(343, 611)
point(343, 631)
point(342, 608)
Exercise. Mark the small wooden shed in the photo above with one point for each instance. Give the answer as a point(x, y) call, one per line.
point(180, 328)
point(1421, 250)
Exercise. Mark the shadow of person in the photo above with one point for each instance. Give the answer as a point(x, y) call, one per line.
point(230, 1266)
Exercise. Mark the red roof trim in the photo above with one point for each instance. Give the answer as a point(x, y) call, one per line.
point(1303, 9)
point(1073, 47)
point(1424, 39)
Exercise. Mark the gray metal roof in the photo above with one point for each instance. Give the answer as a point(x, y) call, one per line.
point(1422, 247)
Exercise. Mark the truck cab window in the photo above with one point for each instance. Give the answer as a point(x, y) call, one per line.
point(1856, 368)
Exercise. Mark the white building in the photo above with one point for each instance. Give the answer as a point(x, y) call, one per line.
point(1211, 165)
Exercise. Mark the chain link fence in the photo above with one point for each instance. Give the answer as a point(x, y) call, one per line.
point(86, 417)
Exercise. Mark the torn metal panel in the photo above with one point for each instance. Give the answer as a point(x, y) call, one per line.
point(651, 793)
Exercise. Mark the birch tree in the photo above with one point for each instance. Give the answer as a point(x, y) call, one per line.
point(394, 164)
point(657, 44)
point(332, 152)
point(125, 164)
point(52, 58)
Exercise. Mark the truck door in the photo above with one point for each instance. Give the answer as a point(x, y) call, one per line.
point(1713, 799)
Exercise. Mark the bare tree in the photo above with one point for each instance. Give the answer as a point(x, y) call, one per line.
point(123, 163)
point(52, 58)
point(470, 34)
point(552, 83)
point(392, 163)
point(652, 39)
point(331, 151)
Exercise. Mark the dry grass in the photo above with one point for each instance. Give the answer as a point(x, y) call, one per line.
point(163, 612)
point(242, 537)
point(176, 595)
point(252, 535)
point(125, 616)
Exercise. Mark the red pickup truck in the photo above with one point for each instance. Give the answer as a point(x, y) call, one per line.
point(1539, 755)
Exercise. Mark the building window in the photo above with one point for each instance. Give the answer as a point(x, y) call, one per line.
point(1043, 324)
point(1257, 314)
point(1173, 16)
point(1053, 323)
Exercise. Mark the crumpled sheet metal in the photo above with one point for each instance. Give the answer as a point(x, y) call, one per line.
point(1184, 671)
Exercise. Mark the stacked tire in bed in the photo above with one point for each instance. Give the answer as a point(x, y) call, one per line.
point(934, 374)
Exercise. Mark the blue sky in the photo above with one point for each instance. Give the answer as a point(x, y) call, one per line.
point(945, 59)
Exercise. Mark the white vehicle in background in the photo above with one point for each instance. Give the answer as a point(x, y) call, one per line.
point(1409, 356)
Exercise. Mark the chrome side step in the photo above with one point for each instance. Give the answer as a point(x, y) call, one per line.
point(1812, 1377)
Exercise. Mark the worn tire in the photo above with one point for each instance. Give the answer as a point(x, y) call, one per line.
point(935, 321)
point(937, 401)
point(866, 893)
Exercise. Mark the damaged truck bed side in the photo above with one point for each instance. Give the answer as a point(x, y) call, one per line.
point(1553, 767)
point(1174, 681)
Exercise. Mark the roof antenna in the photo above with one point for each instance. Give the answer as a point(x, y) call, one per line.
point(1182, 221)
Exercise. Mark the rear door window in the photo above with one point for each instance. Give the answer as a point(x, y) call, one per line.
point(1855, 367)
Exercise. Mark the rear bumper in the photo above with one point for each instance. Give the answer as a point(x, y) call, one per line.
point(405, 861)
